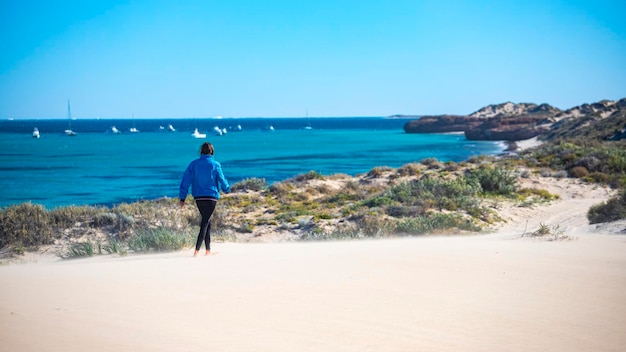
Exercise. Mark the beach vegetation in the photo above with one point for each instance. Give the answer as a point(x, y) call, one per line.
point(412, 169)
point(379, 171)
point(612, 210)
point(430, 163)
point(541, 195)
point(493, 180)
point(433, 222)
point(159, 240)
point(550, 233)
point(311, 175)
point(249, 184)
point(579, 172)
point(25, 226)
point(79, 250)
point(605, 160)
point(346, 232)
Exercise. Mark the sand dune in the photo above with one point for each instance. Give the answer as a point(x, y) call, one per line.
point(479, 293)
point(493, 292)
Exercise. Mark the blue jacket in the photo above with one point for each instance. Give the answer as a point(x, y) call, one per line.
point(205, 177)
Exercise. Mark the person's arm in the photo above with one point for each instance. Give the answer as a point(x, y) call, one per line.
point(222, 183)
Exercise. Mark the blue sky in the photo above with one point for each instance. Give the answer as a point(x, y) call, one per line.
point(244, 58)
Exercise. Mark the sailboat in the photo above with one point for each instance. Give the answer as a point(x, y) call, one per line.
point(308, 122)
point(36, 133)
point(197, 134)
point(69, 131)
point(134, 128)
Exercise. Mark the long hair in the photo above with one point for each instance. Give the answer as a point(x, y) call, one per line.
point(207, 148)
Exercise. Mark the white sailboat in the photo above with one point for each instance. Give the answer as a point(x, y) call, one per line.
point(114, 130)
point(197, 134)
point(36, 133)
point(134, 128)
point(308, 122)
point(69, 131)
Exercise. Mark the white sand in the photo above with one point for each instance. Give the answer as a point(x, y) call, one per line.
point(496, 292)
point(528, 143)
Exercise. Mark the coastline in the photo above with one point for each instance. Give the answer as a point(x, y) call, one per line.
point(496, 291)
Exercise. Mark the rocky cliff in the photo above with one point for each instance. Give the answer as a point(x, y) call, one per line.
point(514, 122)
point(604, 120)
point(507, 121)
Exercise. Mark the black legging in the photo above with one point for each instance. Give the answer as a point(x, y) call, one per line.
point(206, 208)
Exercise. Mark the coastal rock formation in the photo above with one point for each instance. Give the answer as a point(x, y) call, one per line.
point(441, 124)
point(511, 109)
point(604, 120)
point(507, 121)
point(508, 128)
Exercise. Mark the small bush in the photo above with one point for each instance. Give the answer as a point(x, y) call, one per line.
point(375, 226)
point(378, 171)
point(104, 219)
point(551, 233)
point(433, 222)
point(311, 175)
point(25, 225)
point(612, 210)
point(250, 184)
point(494, 180)
point(346, 232)
point(412, 169)
point(80, 250)
point(599, 177)
point(430, 163)
point(159, 240)
point(579, 172)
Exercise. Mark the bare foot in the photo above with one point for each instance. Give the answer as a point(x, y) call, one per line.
point(207, 253)
point(195, 253)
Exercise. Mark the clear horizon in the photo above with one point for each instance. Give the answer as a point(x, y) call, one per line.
point(280, 58)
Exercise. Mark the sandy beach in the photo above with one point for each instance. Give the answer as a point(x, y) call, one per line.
point(490, 292)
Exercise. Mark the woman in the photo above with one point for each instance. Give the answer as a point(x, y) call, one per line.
point(206, 179)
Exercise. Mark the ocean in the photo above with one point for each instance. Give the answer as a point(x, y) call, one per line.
point(98, 167)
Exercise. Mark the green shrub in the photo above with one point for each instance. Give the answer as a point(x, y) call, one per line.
point(25, 225)
point(346, 232)
point(612, 210)
point(579, 172)
point(375, 226)
point(104, 219)
point(281, 190)
point(430, 163)
point(412, 169)
point(250, 184)
point(68, 216)
point(311, 175)
point(599, 177)
point(79, 250)
point(159, 240)
point(433, 222)
point(494, 180)
point(378, 171)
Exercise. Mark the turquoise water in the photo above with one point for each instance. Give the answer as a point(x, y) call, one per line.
point(101, 168)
